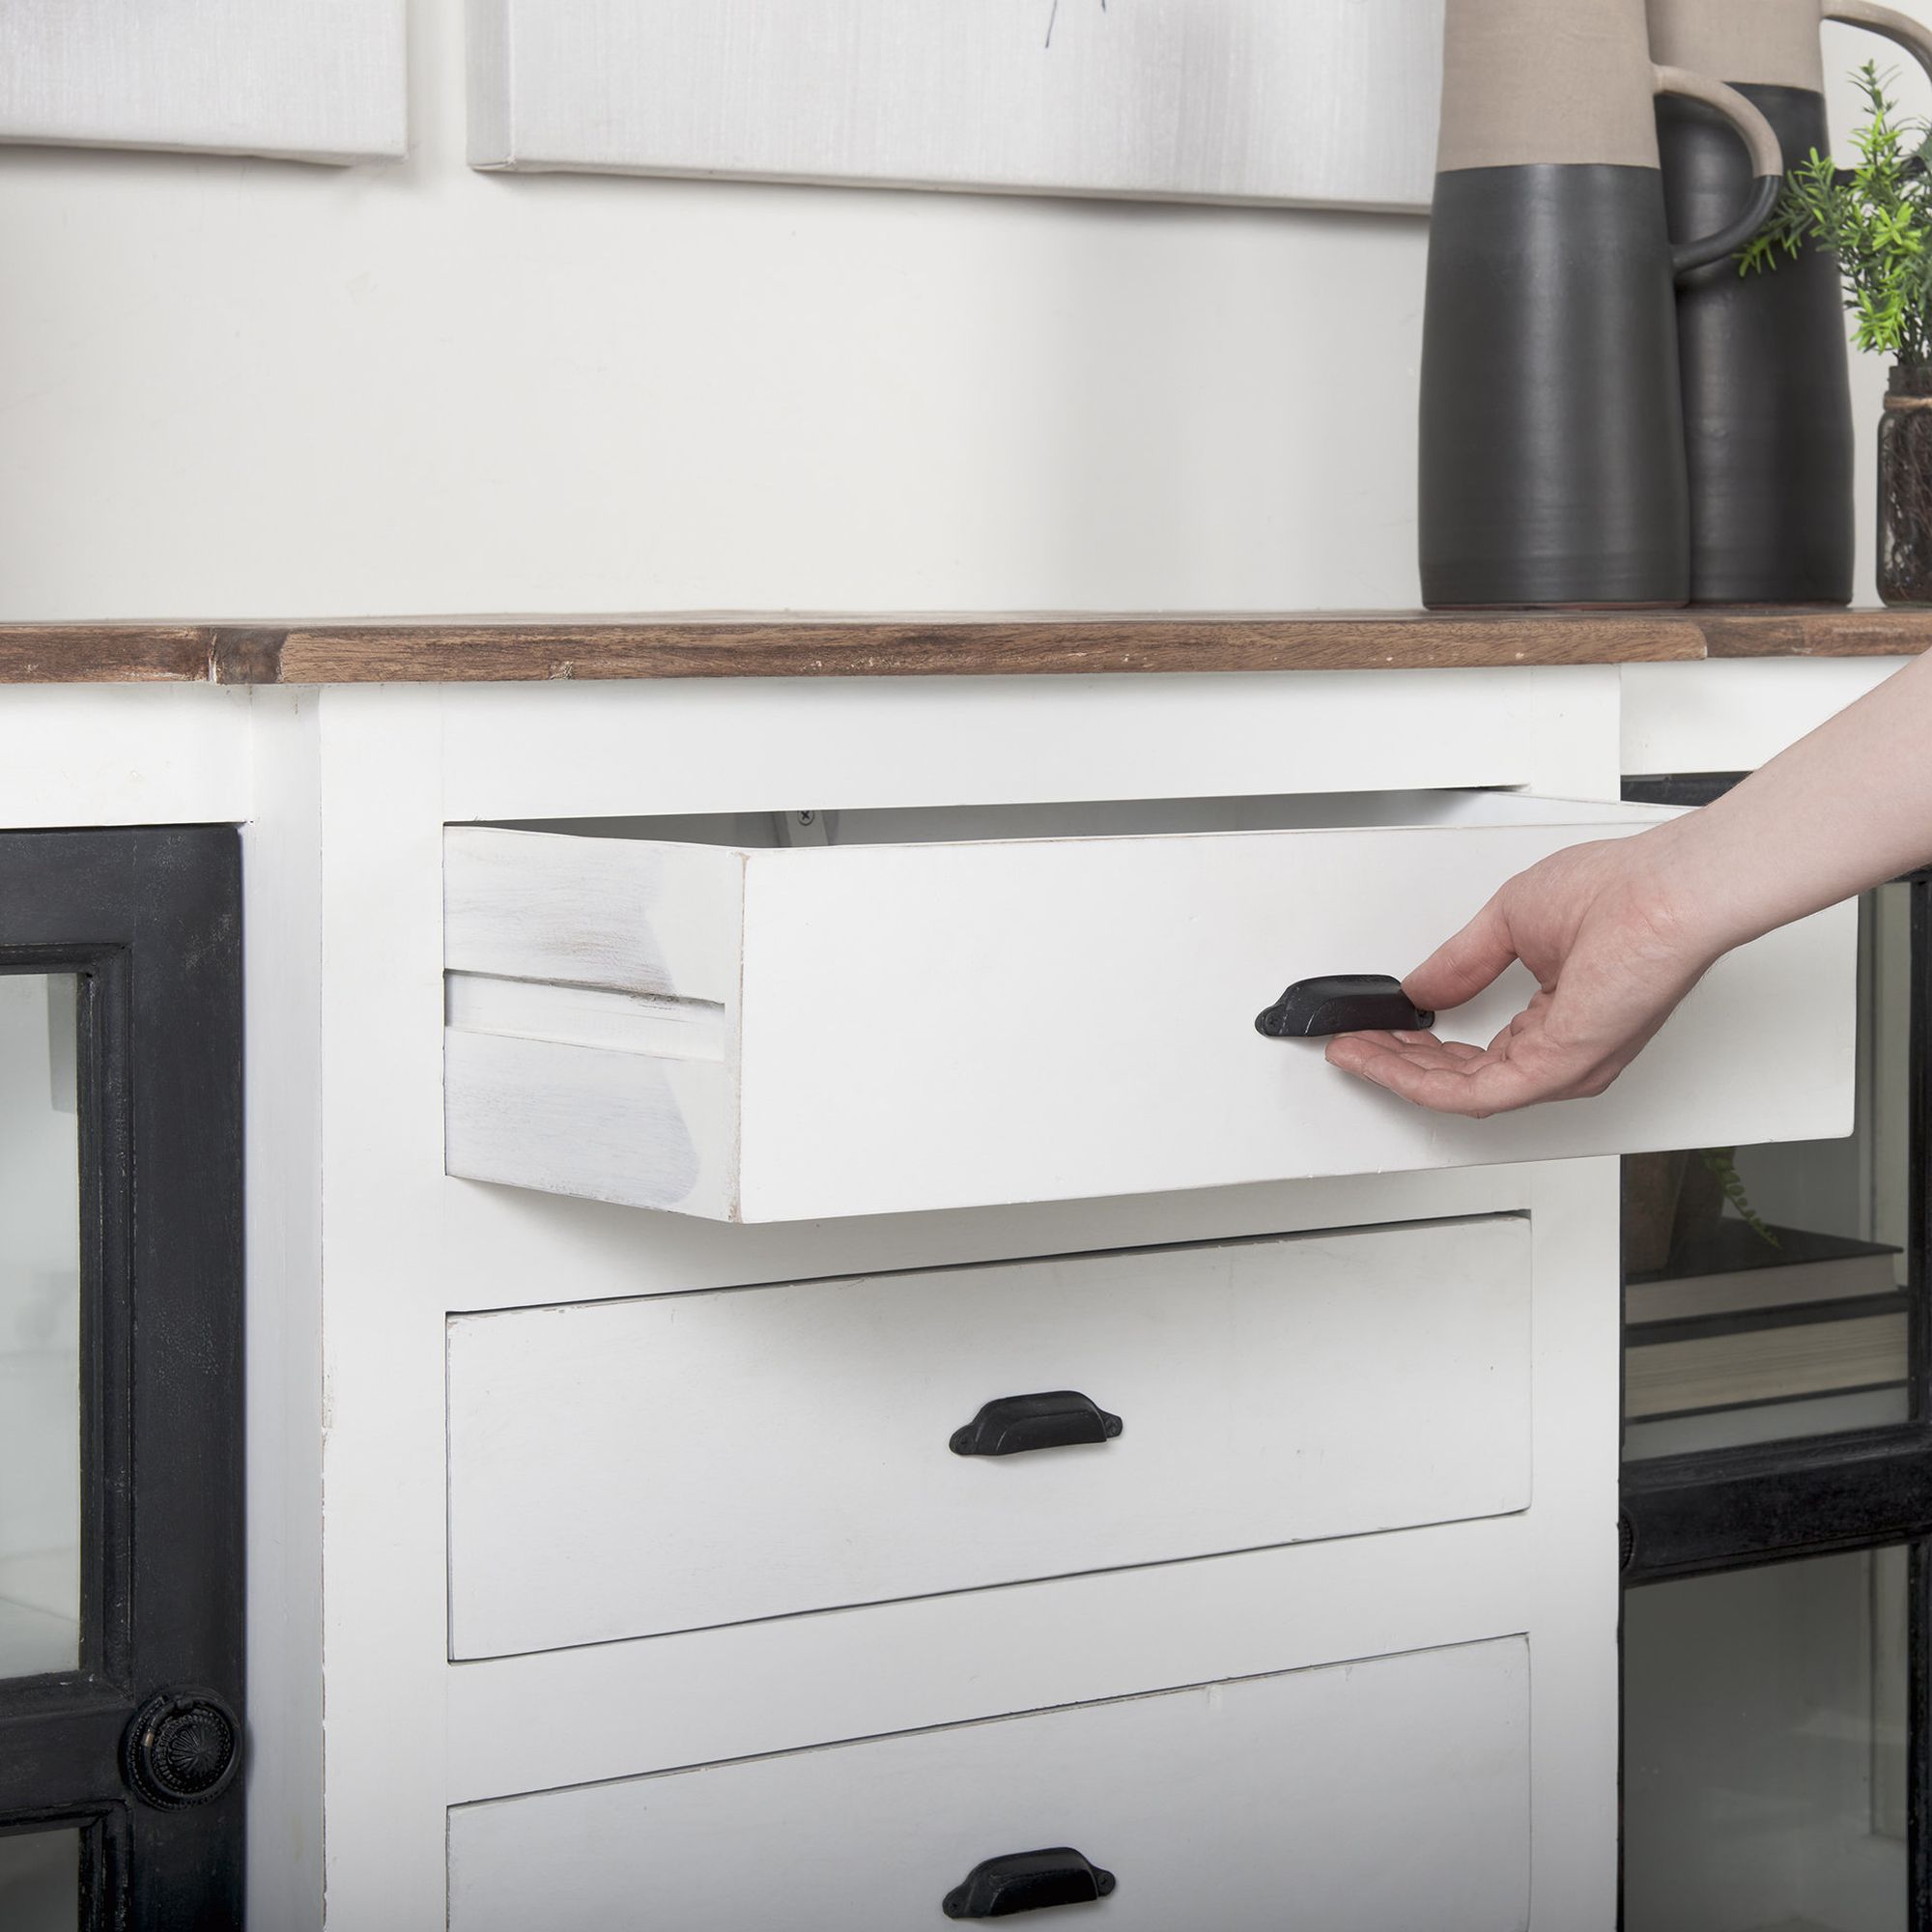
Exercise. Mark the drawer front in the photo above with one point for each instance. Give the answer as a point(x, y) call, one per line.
point(623, 1469)
point(1381, 1797)
point(777, 1035)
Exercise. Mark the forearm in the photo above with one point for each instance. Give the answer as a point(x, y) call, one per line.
point(1846, 807)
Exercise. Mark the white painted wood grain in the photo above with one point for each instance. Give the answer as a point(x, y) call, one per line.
point(1389, 1793)
point(1735, 714)
point(1317, 103)
point(663, 919)
point(516, 1110)
point(380, 919)
point(124, 754)
point(584, 751)
point(1572, 1582)
point(584, 1017)
point(626, 1469)
point(319, 80)
point(930, 1025)
point(281, 926)
point(609, 1711)
point(500, 1239)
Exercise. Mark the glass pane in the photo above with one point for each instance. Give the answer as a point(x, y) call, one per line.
point(39, 1327)
point(39, 1882)
point(1764, 1286)
point(1764, 1750)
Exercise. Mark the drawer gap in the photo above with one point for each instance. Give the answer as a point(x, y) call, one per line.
point(592, 1016)
point(1091, 818)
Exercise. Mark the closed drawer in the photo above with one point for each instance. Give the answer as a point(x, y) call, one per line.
point(1381, 1797)
point(623, 1469)
point(921, 1016)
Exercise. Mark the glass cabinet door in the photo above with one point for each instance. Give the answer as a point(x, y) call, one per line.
point(39, 1879)
point(121, 1532)
point(39, 1327)
point(1767, 1290)
point(1777, 1495)
point(1765, 1719)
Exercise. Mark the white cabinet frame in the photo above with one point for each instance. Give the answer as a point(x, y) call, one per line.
point(347, 792)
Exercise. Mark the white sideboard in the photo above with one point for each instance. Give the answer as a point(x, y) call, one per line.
point(611, 1564)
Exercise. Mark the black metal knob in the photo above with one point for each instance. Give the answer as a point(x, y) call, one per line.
point(1343, 1003)
point(1053, 1419)
point(1027, 1882)
point(180, 1748)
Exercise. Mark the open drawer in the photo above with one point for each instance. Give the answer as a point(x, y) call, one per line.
point(955, 1007)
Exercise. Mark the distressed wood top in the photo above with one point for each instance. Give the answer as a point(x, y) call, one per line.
point(476, 651)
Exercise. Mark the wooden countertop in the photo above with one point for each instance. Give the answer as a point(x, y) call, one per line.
point(473, 650)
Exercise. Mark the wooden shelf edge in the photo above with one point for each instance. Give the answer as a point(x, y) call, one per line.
point(106, 654)
point(511, 650)
point(962, 647)
point(1816, 634)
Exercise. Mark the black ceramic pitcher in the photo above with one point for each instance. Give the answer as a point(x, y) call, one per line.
point(1767, 398)
point(1552, 464)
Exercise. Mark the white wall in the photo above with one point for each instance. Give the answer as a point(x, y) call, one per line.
point(234, 389)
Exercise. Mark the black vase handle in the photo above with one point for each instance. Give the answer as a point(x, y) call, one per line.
point(1343, 1003)
point(1053, 1419)
point(1767, 167)
point(1028, 1882)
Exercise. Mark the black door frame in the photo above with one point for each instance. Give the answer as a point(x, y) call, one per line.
point(150, 920)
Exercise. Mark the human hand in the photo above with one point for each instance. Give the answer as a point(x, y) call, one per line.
point(1615, 946)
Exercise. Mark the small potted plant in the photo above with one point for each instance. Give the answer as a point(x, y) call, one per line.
point(1877, 218)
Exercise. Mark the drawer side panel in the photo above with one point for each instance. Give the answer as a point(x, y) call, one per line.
point(648, 1130)
point(625, 913)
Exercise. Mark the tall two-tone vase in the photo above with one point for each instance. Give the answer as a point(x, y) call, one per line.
point(1552, 468)
point(1767, 395)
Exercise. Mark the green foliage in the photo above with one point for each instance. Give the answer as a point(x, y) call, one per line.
point(1722, 1162)
point(1876, 217)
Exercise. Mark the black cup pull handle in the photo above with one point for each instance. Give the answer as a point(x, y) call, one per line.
point(1054, 1419)
point(1343, 1003)
point(1028, 1882)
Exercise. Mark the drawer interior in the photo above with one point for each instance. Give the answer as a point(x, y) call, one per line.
point(1102, 818)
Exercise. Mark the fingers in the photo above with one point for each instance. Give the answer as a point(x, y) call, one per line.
point(1460, 969)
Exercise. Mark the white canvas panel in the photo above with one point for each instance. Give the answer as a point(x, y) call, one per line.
point(1299, 102)
point(320, 80)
